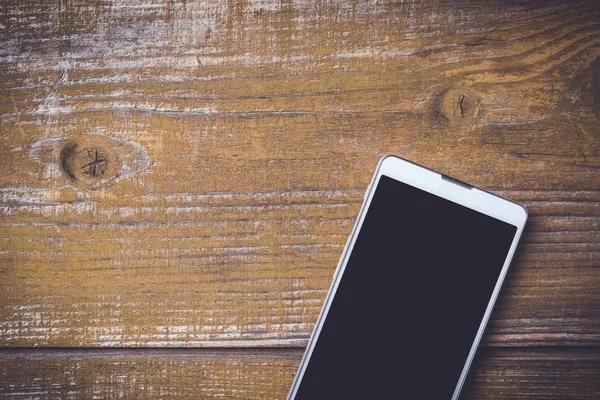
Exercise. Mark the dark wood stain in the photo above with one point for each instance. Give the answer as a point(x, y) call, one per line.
point(67, 154)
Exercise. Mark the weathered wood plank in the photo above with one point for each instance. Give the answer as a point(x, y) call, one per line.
point(110, 283)
point(266, 374)
point(236, 140)
point(533, 374)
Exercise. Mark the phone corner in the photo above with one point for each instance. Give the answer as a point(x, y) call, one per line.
point(524, 212)
point(387, 158)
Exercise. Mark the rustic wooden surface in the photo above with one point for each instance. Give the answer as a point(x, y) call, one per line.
point(263, 375)
point(184, 174)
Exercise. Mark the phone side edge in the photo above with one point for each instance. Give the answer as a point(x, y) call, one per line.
point(492, 302)
point(335, 281)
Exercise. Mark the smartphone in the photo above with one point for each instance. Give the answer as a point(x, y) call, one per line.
point(413, 290)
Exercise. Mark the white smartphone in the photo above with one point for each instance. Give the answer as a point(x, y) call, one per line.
point(413, 290)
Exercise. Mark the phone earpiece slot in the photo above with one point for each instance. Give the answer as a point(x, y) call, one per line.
point(456, 181)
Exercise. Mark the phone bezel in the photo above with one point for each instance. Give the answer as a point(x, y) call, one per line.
point(435, 183)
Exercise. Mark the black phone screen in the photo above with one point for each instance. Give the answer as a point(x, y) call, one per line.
point(411, 299)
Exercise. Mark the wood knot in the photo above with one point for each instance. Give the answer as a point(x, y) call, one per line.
point(86, 164)
point(460, 106)
point(97, 161)
point(93, 162)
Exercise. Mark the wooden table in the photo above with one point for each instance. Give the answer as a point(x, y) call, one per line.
point(178, 179)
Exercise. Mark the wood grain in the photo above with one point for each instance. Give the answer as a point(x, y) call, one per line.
point(265, 374)
point(239, 145)
point(189, 282)
point(185, 174)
